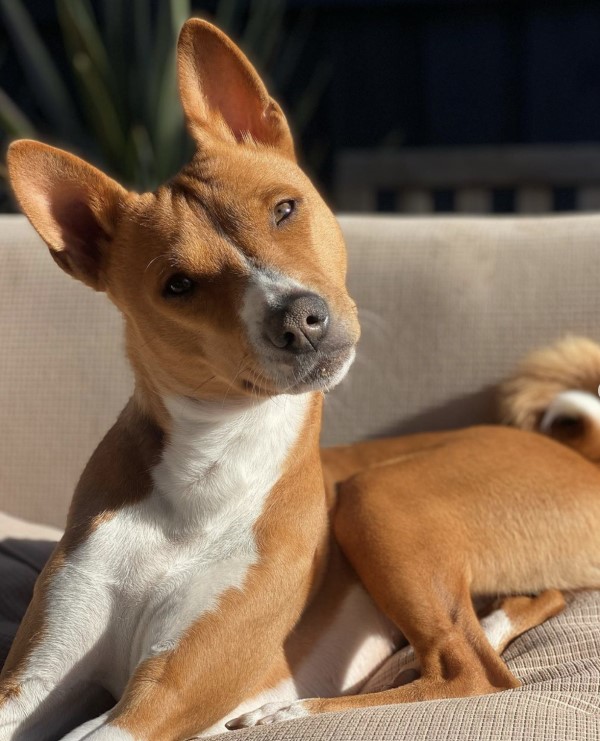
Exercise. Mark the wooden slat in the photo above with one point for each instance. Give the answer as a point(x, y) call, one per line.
point(471, 166)
point(415, 201)
point(531, 170)
point(358, 197)
point(588, 199)
point(473, 200)
point(534, 200)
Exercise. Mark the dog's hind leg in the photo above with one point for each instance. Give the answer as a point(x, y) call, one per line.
point(451, 648)
point(503, 621)
point(427, 595)
point(415, 562)
point(512, 617)
point(507, 619)
point(516, 615)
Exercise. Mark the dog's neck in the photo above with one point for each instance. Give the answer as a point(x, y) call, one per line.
point(221, 459)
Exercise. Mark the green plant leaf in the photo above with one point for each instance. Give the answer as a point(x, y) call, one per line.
point(114, 35)
point(228, 14)
point(12, 119)
point(44, 79)
point(168, 129)
point(79, 24)
point(142, 46)
point(265, 24)
point(143, 158)
point(82, 35)
point(180, 11)
point(99, 108)
point(112, 13)
point(168, 125)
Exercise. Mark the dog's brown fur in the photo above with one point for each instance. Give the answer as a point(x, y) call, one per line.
point(425, 521)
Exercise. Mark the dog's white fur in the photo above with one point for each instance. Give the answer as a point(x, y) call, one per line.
point(575, 404)
point(142, 577)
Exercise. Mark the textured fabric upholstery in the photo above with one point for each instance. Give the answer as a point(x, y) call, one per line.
point(447, 307)
point(63, 377)
point(558, 663)
point(24, 549)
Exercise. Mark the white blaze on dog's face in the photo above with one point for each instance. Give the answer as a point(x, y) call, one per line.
point(231, 277)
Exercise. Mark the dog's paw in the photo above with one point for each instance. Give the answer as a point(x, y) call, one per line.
point(272, 712)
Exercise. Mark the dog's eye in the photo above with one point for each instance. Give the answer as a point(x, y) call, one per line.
point(178, 285)
point(283, 210)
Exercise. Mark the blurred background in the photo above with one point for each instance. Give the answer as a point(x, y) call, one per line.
point(407, 106)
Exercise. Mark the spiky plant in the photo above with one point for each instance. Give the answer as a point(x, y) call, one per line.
point(119, 105)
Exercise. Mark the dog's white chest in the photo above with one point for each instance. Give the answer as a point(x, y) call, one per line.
point(156, 566)
point(153, 585)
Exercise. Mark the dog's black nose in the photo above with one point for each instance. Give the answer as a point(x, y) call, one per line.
point(300, 324)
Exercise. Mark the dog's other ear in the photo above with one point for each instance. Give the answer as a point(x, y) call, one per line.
point(72, 205)
point(220, 88)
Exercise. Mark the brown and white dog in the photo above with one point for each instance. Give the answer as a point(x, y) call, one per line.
point(198, 578)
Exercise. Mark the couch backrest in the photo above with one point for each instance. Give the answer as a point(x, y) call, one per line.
point(447, 305)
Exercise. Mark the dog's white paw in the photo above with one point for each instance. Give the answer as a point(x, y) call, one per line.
point(272, 712)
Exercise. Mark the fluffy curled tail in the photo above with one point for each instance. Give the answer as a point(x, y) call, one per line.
point(555, 391)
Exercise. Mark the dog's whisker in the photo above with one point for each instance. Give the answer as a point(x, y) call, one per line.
point(201, 385)
point(161, 256)
point(232, 383)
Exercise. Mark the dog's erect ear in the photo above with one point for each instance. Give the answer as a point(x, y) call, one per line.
point(72, 205)
point(220, 88)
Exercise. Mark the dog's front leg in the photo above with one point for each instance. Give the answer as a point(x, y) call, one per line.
point(46, 684)
point(223, 659)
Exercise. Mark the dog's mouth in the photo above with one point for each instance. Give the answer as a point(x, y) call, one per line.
point(321, 371)
point(298, 340)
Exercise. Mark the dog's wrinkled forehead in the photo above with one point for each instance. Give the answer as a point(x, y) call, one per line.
point(237, 188)
point(239, 209)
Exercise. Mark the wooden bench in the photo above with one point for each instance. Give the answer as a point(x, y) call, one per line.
point(521, 179)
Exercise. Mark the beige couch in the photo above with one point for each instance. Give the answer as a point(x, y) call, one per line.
point(447, 304)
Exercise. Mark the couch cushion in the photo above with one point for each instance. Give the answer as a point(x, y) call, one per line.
point(448, 305)
point(63, 376)
point(24, 549)
point(558, 662)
